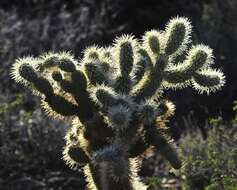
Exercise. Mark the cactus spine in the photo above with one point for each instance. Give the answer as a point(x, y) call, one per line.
point(114, 98)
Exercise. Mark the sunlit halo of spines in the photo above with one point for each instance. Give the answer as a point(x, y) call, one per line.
point(102, 87)
point(45, 65)
point(117, 45)
point(205, 49)
point(187, 36)
point(69, 161)
point(147, 40)
point(212, 88)
point(28, 61)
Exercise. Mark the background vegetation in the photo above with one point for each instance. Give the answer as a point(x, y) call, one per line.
point(30, 143)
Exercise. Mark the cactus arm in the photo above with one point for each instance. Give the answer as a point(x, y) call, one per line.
point(103, 96)
point(75, 155)
point(208, 80)
point(77, 87)
point(143, 65)
point(125, 55)
point(60, 105)
point(177, 36)
point(95, 73)
point(151, 82)
point(154, 137)
point(152, 43)
point(97, 65)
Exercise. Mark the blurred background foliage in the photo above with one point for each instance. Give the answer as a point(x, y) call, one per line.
point(210, 163)
point(30, 143)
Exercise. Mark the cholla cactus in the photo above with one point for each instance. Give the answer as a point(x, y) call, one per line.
point(114, 98)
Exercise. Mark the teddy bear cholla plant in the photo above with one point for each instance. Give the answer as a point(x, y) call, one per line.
point(114, 98)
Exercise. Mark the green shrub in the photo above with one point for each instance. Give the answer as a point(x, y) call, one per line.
point(210, 163)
